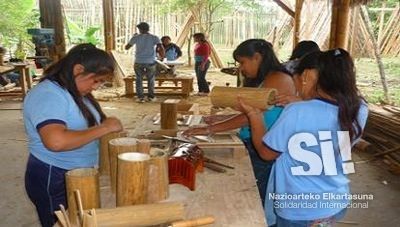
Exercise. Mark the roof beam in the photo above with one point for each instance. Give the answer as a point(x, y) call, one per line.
point(285, 7)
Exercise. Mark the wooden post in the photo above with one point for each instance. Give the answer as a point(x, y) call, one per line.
point(116, 147)
point(133, 178)
point(51, 17)
point(297, 22)
point(109, 29)
point(228, 96)
point(339, 24)
point(104, 166)
point(169, 114)
point(377, 52)
point(86, 180)
point(158, 177)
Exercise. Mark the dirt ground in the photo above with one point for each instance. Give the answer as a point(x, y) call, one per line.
point(16, 210)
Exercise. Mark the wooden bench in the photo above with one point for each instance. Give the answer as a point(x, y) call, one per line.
point(177, 86)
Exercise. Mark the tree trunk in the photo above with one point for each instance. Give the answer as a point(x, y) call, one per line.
point(377, 52)
point(51, 17)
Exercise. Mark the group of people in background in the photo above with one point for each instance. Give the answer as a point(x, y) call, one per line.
point(149, 47)
point(316, 93)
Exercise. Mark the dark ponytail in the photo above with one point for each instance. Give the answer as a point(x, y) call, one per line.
point(269, 61)
point(337, 78)
point(93, 60)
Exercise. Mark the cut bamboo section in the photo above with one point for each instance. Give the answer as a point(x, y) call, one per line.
point(132, 178)
point(158, 177)
point(168, 112)
point(140, 215)
point(228, 96)
point(116, 147)
point(143, 146)
point(104, 167)
point(86, 180)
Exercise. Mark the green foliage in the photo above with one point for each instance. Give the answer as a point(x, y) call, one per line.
point(17, 17)
point(77, 35)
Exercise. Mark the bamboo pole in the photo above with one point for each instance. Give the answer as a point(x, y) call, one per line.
point(285, 8)
point(140, 215)
point(297, 22)
point(143, 146)
point(86, 180)
point(381, 24)
point(228, 96)
point(116, 147)
point(132, 178)
point(353, 30)
point(340, 24)
point(109, 28)
point(158, 177)
point(104, 167)
point(377, 52)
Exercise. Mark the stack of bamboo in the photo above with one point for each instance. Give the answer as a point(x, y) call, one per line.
point(383, 130)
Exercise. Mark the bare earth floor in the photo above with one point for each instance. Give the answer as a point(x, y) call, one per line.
point(16, 210)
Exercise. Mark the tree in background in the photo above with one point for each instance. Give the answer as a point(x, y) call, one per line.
point(17, 17)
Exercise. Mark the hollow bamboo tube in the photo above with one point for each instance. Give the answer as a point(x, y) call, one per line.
point(104, 167)
point(194, 222)
point(132, 178)
point(116, 147)
point(169, 114)
point(86, 180)
point(140, 215)
point(158, 177)
point(143, 146)
point(228, 96)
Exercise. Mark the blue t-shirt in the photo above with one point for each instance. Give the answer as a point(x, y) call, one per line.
point(313, 117)
point(145, 48)
point(270, 116)
point(49, 103)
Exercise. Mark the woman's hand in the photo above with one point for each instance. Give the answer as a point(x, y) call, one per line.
point(283, 100)
point(196, 131)
point(113, 124)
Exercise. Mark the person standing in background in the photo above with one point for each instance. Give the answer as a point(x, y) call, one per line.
point(145, 59)
point(202, 52)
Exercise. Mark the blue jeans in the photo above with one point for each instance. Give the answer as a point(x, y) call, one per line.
point(324, 222)
point(148, 70)
point(261, 168)
point(45, 186)
point(201, 76)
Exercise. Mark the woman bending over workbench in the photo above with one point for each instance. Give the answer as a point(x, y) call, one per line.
point(63, 123)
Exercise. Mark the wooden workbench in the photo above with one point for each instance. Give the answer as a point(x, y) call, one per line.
point(25, 78)
point(177, 85)
point(232, 197)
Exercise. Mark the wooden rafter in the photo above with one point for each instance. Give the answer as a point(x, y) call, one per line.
point(285, 7)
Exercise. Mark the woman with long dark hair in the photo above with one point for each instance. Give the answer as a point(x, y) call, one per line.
point(261, 68)
point(307, 141)
point(63, 123)
point(202, 51)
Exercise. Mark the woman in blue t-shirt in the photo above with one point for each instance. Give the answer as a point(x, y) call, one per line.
point(261, 68)
point(308, 184)
point(63, 123)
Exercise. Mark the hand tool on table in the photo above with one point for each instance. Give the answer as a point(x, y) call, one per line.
point(208, 160)
point(178, 139)
point(214, 167)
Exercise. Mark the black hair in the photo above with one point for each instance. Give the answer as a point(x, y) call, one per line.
point(269, 61)
point(93, 60)
point(143, 26)
point(302, 48)
point(165, 37)
point(337, 78)
point(201, 36)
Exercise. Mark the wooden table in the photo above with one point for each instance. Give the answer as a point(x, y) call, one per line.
point(25, 78)
point(232, 197)
point(181, 86)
